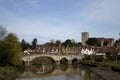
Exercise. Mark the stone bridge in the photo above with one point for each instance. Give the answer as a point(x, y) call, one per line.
point(54, 57)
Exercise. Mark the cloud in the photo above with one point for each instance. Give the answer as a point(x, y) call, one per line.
point(33, 18)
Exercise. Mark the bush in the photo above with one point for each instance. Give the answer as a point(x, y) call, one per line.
point(88, 63)
point(99, 58)
point(111, 56)
point(89, 57)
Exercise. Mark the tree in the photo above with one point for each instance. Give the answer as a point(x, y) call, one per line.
point(10, 50)
point(92, 42)
point(34, 43)
point(51, 43)
point(3, 31)
point(117, 43)
point(69, 43)
point(24, 45)
point(58, 42)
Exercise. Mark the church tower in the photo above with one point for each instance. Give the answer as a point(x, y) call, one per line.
point(85, 37)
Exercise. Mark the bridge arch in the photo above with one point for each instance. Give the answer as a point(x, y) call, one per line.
point(43, 60)
point(75, 60)
point(42, 69)
point(64, 60)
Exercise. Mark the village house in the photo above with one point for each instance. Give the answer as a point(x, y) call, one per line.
point(57, 49)
point(88, 51)
point(109, 41)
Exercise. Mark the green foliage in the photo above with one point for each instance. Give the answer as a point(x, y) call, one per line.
point(7, 69)
point(34, 43)
point(117, 43)
point(25, 45)
point(89, 57)
point(66, 43)
point(88, 63)
point(92, 42)
point(111, 56)
point(69, 43)
point(10, 50)
point(99, 58)
point(58, 42)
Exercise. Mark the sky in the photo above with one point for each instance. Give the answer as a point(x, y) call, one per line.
point(60, 19)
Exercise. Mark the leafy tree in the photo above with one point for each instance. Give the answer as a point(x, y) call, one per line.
point(3, 31)
point(51, 43)
point(69, 43)
point(10, 50)
point(34, 43)
point(92, 42)
point(24, 45)
point(79, 43)
point(117, 43)
point(58, 42)
point(66, 43)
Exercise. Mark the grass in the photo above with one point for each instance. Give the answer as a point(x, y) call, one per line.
point(113, 65)
point(113, 62)
point(7, 69)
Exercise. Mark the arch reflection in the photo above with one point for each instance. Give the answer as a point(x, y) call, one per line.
point(58, 72)
point(42, 69)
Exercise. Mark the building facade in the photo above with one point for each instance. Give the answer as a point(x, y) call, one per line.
point(106, 41)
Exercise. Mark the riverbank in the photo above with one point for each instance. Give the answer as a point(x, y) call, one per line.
point(105, 70)
point(107, 74)
point(8, 73)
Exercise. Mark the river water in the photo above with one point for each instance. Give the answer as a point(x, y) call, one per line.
point(58, 72)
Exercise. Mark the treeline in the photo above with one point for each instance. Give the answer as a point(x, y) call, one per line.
point(67, 43)
point(25, 45)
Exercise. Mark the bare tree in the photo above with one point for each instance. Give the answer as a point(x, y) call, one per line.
point(3, 31)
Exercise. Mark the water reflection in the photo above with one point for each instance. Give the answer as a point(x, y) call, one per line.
point(57, 72)
point(41, 69)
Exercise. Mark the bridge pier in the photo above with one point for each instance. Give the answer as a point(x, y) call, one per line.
point(57, 62)
point(69, 61)
point(27, 63)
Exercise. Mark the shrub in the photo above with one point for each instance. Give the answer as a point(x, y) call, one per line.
point(99, 58)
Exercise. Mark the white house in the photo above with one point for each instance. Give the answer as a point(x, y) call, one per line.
point(26, 52)
point(87, 51)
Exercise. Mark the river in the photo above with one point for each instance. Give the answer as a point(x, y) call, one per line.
point(58, 72)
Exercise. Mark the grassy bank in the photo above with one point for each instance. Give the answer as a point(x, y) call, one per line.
point(8, 73)
point(104, 65)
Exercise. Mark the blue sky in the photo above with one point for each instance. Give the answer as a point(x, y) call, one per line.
point(60, 19)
